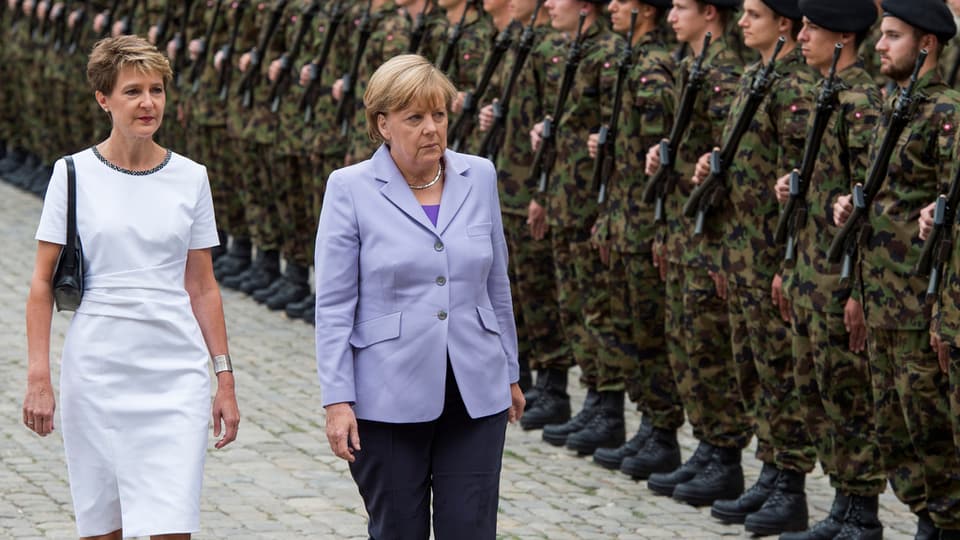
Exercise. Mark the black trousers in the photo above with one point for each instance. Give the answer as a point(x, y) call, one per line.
point(455, 457)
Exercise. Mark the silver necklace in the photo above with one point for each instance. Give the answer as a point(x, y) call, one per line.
point(430, 183)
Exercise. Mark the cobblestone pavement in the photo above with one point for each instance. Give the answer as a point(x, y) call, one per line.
point(280, 480)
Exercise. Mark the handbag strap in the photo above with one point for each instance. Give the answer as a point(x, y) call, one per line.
point(70, 249)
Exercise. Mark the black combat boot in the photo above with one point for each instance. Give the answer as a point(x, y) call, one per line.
point(237, 280)
point(660, 453)
point(736, 510)
point(721, 478)
point(553, 405)
point(261, 294)
point(531, 395)
point(612, 458)
point(22, 174)
point(945, 534)
point(38, 181)
point(310, 314)
point(220, 250)
point(606, 429)
point(556, 434)
point(13, 160)
point(235, 261)
point(266, 272)
point(861, 521)
point(926, 530)
point(664, 483)
point(785, 509)
point(295, 310)
point(829, 528)
point(295, 287)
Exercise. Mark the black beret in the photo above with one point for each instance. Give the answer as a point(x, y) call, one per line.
point(840, 16)
point(785, 8)
point(930, 16)
point(659, 4)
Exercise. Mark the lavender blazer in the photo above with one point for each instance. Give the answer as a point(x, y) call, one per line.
point(396, 294)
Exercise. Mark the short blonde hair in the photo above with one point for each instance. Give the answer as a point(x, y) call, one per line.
point(400, 82)
point(112, 55)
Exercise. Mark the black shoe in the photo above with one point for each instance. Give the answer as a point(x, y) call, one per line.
point(295, 310)
point(267, 271)
point(295, 287)
point(533, 393)
point(664, 483)
point(556, 434)
point(786, 508)
point(605, 430)
point(553, 405)
point(945, 535)
point(736, 510)
point(264, 291)
point(829, 528)
point(37, 184)
point(235, 281)
point(926, 530)
point(310, 314)
point(721, 478)
point(12, 161)
point(861, 521)
point(23, 176)
point(659, 454)
point(27, 165)
point(266, 262)
point(612, 458)
point(235, 261)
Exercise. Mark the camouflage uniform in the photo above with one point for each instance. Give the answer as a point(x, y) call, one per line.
point(531, 268)
point(636, 296)
point(832, 381)
point(697, 329)
point(571, 204)
point(750, 259)
point(913, 428)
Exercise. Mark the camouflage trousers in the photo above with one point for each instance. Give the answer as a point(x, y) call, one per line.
point(534, 289)
point(292, 189)
point(212, 148)
point(259, 199)
point(764, 360)
point(913, 424)
point(833, 384)
point(637, 310)
point(698, 345)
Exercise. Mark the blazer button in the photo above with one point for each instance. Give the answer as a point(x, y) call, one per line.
point(438, 246)
point(442, 315)
point(441, 281)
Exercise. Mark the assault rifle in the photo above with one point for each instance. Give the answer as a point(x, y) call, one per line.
point(708, 195)
point(196, 70)
point(251, 78)
point(939, 244)
point(108, 19)
point(493, 140)
point(420, 28)
point(163, 25)
point(447, 58)
point(546, 155)
point(847, 243)
point(607, 137)
point(289, 59)
point(794, 215)
point(59, 20)
point(36, 23)
point(73, 42)
point(465, 123)
point(226, 63)
point(660, 185)
point(347, 105)
point(312, 92)
point(128, 22)
point(180, 44)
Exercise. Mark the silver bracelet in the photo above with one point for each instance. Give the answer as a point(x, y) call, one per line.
point(221, 362)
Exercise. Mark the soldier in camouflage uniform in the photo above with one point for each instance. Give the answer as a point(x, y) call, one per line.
point(831, 370)
point(744, 223)
point(697, 329)
point(909, 390)
point(625, 233)
point(571, 211)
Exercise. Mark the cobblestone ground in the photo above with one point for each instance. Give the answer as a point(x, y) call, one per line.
point(280, 480)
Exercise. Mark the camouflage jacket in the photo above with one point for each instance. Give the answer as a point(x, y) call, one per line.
point(571, 200)
point(771, 147)
point(467, 62)
point(261, 124)
point(204, 104)
point(813, 282)
point(293, 136)
point(710, 111)
point(646, 117)
point(247, 34)
point(922, 161)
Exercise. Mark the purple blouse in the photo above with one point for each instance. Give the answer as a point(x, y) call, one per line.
point(432, 210)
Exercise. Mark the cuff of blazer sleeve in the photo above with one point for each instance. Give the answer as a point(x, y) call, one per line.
point(332, 396)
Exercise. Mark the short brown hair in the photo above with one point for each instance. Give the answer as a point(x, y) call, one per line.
point(111, 55)
point(401, 81)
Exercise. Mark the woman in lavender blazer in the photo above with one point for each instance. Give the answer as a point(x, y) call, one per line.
point(416, 339)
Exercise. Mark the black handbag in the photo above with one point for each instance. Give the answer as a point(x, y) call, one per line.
point(68, 276)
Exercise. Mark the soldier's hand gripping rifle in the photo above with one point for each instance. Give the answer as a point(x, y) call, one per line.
point(447, 58)
point(420, 28)
point(164, 24)
point(196, 70)
point(794, 215)
point(939, 243)
point(846, 244)
point(546, 155)
point(708, 195)
point(251, 78)
point(59, 19)
point(465, 123)
point(128, 22)
point(79, 25)
point(312, 92)
point(226, 62)
point(607, 137)
point(660, 184)
point(347, 105)
point(180, 44)
point(108, 19)
point(289, 59)
point(493, 140)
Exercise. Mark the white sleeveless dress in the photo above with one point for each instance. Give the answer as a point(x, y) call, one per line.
point(134, 383)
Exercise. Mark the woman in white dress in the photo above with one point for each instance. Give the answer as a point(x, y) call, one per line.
point(134, 382)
